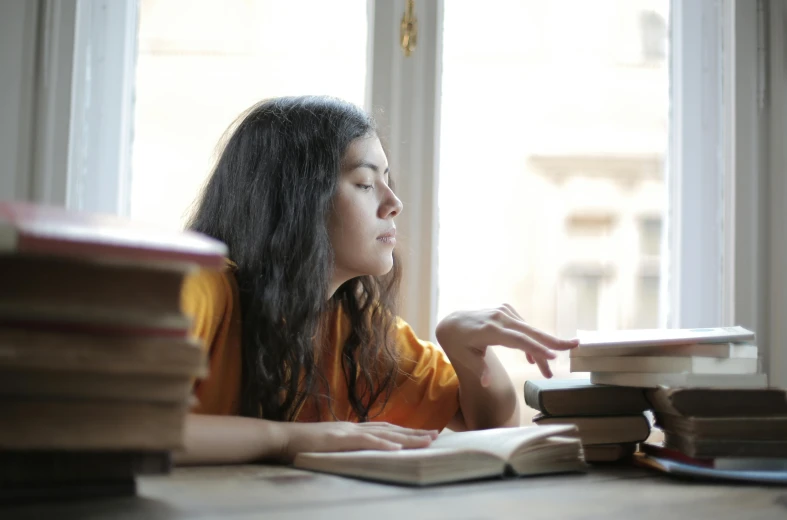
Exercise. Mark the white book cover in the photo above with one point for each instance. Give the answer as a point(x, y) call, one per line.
point(654, 380)
point(597, 338)
point(715, 350)
point(657, 364)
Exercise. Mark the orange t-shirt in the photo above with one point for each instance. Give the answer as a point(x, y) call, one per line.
point(425, 394)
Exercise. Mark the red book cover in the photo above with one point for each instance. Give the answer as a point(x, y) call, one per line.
point(661, 451)
point(48, 230)
point(104, 329)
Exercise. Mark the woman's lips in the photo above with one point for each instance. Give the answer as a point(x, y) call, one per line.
point(389, 237)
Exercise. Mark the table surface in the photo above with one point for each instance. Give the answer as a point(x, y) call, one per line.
point(273, 492)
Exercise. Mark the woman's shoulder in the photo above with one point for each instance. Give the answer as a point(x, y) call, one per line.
point(408, 342)
point(216, 285)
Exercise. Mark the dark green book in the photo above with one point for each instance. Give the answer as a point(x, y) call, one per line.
point(21, 468)
point(570, 397)
point(44, 492)
point(603, 429)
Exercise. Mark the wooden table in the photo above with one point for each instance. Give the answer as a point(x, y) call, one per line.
point(270, 492)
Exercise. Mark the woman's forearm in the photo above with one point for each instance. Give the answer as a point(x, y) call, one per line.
point(214, 439)
point(220, 439)
point(487, 407)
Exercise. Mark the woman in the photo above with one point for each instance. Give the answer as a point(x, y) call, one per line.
point(306, 351)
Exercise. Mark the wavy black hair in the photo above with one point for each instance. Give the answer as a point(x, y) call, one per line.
point(269, 198)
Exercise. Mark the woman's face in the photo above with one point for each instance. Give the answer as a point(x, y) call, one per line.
point(361, 225)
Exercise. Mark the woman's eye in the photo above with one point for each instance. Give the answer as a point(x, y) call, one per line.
point(365, 187)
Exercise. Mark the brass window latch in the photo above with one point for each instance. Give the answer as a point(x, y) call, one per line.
point(408, 29)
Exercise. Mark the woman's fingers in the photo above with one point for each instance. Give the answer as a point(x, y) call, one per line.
point(404, 440)
point(368, 441)
point(347, 436)
point(399, 429)
point(532, 357)
point(542, 337)
point(395, 437)
point(513, 338)
point(543, 366)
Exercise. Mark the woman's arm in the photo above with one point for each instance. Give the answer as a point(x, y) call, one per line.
point(220, 439)
point(487, 398)
point(481, 407)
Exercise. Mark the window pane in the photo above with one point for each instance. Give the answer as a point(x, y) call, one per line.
point(202, 62)
point(650, 236)
point(554, 130)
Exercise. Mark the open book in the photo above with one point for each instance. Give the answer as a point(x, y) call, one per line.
point(533, 450)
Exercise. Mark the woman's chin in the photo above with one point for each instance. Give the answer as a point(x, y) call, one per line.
point(385, 267)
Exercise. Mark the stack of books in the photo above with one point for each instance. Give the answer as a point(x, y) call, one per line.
point(96, 362)
point(723, 357)
point(611, 420)
point(708, 396)
point(723, 433)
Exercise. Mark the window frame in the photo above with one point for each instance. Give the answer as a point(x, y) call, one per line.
point(404, 96)
point(101, 126)
point(771, 288)
point(732, 65)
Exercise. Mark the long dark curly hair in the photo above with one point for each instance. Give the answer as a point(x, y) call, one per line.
point(269, 199)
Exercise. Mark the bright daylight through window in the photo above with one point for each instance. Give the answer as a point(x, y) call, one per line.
point(554, 133)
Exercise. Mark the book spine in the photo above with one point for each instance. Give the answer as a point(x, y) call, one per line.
point(534, 397)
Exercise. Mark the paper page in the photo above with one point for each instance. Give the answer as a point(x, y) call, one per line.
point(501, 441)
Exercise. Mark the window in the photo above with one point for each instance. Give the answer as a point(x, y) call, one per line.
point(551, 153)
point(533, 74)
point(647, 298)
point(654, 36)
point(578, 302)
point(650, 236)
point(202, 62)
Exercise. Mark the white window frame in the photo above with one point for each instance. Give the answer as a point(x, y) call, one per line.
point(102, 100)
point(38, 45)
point(18, 48)
point(692, 272)
point(404, 95)
point(772, 248)
point(71, 136)
point(726, 253)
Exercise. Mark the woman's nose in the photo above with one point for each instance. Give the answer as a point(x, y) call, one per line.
point(392, 206)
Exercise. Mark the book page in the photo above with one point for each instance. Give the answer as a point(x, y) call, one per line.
point(501, 442)
point(718, 350)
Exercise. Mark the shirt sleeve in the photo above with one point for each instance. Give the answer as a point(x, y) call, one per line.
point(207, 298)
point(202, 301)
point(426, 394)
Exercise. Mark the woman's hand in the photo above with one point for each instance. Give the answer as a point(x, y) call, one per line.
point(346, 436)
point(465, 337)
